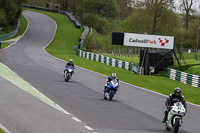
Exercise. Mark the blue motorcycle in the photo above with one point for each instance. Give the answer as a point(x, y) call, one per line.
point(68, 73)
point(111, 89)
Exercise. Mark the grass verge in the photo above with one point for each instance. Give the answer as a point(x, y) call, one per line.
point(1, 131)
point(133, 59)
point(194, 65)
point(23, 26)
point(67, 36)
point(3, 45)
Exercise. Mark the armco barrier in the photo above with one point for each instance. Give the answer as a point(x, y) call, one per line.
point(109, 61)
point(82, 38)
point(186, 78)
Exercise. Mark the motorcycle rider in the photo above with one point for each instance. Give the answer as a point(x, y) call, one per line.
point(69, 64)
point(173, 98)
point(110, 78)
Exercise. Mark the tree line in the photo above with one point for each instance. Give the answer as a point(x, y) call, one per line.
point(10, 11)
point(157, 17)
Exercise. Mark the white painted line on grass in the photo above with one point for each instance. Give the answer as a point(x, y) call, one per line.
point(4, 129)
point(88, 128)
point(76, 119)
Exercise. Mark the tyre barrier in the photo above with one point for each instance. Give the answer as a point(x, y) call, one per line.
point(186, 78)
point(109, 61)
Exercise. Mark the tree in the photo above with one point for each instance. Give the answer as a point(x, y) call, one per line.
point(156, 7)
point(64, 4)
point(103, 8)
point(187, 8)
point(125, 7)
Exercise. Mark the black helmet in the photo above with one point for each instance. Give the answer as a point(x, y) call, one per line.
point(177, 91)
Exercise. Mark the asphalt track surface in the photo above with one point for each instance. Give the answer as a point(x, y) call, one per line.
point(133, 110)
point(22, 113)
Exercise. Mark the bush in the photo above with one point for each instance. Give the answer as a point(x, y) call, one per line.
point(90, 19)
point(98, 42)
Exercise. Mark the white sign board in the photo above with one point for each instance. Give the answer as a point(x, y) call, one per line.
point(149, 41)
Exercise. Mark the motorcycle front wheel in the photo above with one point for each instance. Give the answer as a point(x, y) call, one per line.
point(176, 125)
point(111, 95)
point(166, 127)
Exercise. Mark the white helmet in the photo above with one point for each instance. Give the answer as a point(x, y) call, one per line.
point(114, 75)
point(70, 60)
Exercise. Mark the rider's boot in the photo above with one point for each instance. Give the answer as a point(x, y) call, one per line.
point(181, 120)
point(104, 90)
point(165, 118)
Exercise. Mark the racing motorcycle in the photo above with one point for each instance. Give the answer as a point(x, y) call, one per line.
point(111, 89)
point(175, 117)
point(68, 74)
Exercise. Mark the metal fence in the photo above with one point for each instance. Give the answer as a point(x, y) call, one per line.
point(186, 78)
point(109, 61)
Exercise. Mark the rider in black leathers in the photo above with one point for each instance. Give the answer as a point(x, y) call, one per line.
point(173, 98)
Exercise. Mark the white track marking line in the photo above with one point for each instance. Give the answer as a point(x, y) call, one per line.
point(21, 35)
point(4, 129)
point(88, 128)
point(76, 119)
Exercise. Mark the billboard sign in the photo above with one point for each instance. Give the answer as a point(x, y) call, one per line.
point(149, 41)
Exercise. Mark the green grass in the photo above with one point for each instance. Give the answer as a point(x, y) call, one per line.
point(194, 66)
point(3, 45)
point(1, 131)
point(23, 26)
point(62, 47)
point(133, 59)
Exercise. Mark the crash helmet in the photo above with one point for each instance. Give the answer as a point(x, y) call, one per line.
point(70, 61)
point(177, 91)
point(114, 75)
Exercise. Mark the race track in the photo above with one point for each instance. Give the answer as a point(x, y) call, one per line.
point(133, 110)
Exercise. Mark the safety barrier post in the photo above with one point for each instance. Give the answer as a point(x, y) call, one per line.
point(116, 63)
point(105, 59)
